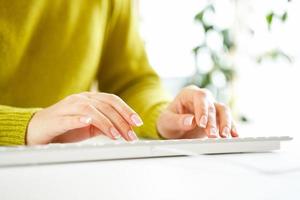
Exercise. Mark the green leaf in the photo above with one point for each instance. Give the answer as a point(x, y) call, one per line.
point(243, 118)
point(269, 19)
point(229, 74)
point(207, 27)
point(273, 55)
point(284, 16)
point(228, 40)
point(206, 80)
point(199, 16)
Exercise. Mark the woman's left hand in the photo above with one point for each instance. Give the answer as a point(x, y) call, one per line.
point(195, 114)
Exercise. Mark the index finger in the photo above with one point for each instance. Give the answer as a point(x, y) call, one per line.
point(120, 106)
point(201, 110)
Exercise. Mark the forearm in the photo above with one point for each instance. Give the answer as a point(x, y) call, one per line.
point(148, 98)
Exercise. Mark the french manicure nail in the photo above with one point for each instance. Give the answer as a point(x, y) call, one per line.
point(226, 132)
point(136, 120)
point(203, 121)
point(188, 121)
point(115, 133)
point(132, 135)
point(213, 131)
point(86, 120)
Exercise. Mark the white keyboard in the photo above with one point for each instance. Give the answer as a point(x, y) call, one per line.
point(78, 152)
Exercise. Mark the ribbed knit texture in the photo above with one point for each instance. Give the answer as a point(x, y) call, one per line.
point(50, 49)
point(13, 123)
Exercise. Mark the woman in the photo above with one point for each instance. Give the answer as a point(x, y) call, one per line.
point(51, 51)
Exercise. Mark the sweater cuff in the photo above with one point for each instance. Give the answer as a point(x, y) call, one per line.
point(149, 130)
point(13, 124)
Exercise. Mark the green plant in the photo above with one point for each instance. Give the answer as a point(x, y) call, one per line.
point(222, 66)
point(221, 60)
point(276, 53)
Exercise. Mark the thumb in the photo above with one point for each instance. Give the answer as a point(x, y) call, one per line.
point(68, 123)
point(173, 125)
point(74, 129)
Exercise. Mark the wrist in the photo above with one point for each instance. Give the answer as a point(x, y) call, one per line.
point(31, 137)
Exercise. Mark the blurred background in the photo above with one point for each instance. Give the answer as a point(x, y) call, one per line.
point(245, 51)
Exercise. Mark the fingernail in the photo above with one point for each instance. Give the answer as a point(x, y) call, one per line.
point(86, 120)
point(115, 133)
point(213, 131)
point(132, 135)
point(136, 120)
point(234, 131)
point(188, 121)
point(203, 121)
point(226, 132)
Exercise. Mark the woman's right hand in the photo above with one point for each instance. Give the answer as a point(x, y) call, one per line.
point(81, 116)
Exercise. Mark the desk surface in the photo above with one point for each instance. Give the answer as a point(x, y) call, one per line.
point(264, 176)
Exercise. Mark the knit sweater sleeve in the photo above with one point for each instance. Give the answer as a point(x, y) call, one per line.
point(125, 69)
point(13, 124)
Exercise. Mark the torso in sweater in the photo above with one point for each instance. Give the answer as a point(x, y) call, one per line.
point(49, 48)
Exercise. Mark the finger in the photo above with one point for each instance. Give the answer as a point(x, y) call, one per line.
point(211, 129)
point(74, 135)
point(201, 110)
point(68, 123)
point(118, 104)
point(197, 100)
point(82, 102)
point(177, 124)
point(98, 119)
point(224, 119)
point(234, 132)
point(119, 122)
point(65, 124)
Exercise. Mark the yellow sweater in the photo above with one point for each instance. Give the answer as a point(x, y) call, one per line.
point(50, 49)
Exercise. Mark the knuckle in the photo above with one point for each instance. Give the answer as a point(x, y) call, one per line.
point(89, 93)
point(117, 99)
point(111, 96)
point(206, 92)
point(75, 98)
point(92, 93)
point(200, 94)
point(223, 107)
point(192, 87)
point(118, 102)
point(85, 93)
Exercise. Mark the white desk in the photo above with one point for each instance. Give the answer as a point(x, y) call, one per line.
point(236, 176)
